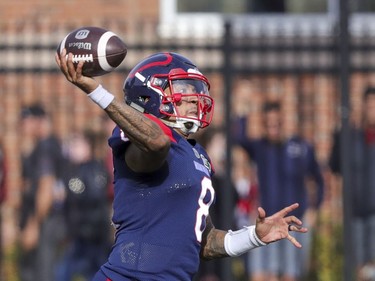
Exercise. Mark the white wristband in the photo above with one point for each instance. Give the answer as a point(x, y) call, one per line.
point(101, 97)
point(241, 241)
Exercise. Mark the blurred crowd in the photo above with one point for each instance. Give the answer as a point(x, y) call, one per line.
point(64, 221)
point(274, 170)
point(65, 228)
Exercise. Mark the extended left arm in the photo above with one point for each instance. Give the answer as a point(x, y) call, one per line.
point(213, 242)
point(218, 243)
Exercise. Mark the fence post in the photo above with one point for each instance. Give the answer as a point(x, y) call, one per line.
point(344, 76)
point(227, 202)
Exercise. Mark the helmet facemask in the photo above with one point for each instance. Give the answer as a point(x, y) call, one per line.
point(188, 92)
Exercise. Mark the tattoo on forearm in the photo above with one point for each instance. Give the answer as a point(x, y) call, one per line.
point(213, 242)
point(214, 247)
point(138, 128)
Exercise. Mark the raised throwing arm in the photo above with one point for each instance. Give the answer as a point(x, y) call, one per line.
point(149, 145)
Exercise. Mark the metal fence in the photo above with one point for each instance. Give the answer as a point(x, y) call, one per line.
point(299, 50)
point(257, 44)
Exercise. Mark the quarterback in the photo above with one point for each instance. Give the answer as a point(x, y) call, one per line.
point(163, 188)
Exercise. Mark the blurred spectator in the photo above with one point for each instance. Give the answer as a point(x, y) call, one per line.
point(41, 221)
point(362, 167)
point(245, 182)
point(87, 210)
point(102, 126)
point(108, 125)
point(245, 211)
point(283, 166)
point(214, 142)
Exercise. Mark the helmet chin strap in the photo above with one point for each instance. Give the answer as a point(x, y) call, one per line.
point(186, 125)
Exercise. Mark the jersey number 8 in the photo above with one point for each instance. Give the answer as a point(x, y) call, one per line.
point(205, 200)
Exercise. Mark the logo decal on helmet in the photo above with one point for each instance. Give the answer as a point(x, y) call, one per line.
point(168, 60)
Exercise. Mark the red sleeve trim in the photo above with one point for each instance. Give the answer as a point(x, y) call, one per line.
point(168, 131)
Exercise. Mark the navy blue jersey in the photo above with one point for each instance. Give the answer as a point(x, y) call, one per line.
point(159, 216)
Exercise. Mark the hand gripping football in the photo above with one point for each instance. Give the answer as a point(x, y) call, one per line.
point(102, 50)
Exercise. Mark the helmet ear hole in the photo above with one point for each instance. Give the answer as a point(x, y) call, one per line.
point(144, 99)
point(167, 108)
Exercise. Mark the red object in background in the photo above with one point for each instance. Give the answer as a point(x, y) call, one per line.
point(370, 135)
point(249, 203)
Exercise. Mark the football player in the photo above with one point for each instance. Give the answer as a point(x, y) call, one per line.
point(163, 188)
